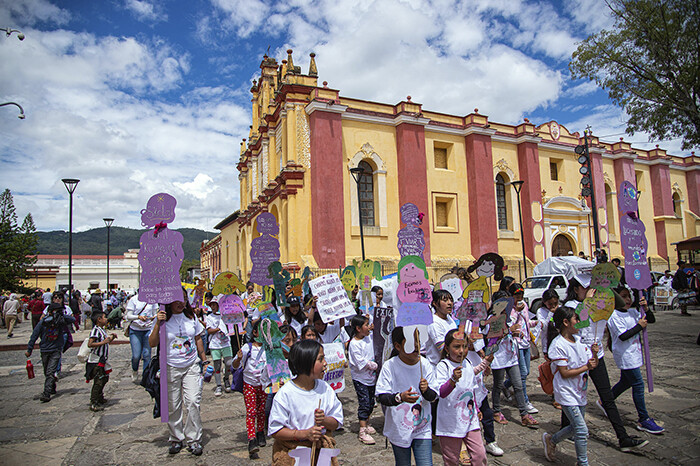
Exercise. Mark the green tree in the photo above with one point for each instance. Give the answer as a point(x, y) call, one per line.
point(18, 245)
point(649, 63)
point(186, 264)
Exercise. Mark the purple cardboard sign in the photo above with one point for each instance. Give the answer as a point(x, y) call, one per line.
point(265, 249)
point(232, 310)
point(633, 239)
point(414, 314)
point(411, 240)
point(627, 198)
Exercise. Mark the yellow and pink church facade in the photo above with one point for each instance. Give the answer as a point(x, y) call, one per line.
point(305, 138)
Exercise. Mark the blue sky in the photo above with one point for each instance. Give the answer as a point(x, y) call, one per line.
point(135, 97)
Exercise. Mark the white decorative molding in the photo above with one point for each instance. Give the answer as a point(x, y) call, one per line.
point(414, 120)
point(502, 166)
point(278, 144)
point(331, 107)
point(303, 138)
point(265, 155)
point(367, 152)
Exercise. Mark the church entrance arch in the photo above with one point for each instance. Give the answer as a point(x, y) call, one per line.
point(561, 245)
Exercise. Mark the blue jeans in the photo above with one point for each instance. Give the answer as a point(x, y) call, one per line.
point(140, 349)
point(524, 366)
point(422, 451)
point(576, 430)
point(633, 378)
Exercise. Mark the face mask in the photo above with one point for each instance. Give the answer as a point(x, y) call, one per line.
point(285, 347)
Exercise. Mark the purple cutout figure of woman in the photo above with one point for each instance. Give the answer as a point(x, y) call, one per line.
point(633, 239)
point(264, 249)
point(411, 241)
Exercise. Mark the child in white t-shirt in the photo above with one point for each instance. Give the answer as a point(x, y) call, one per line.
point(407, 417)
point(442, 323)
point(219, 346)
point(306, 409)
point(363, 370)
point(625, 326)
point(457, 413)
point(252, 356)
point(571, 361)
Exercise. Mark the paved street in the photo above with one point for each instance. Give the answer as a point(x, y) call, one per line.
point(65, 431)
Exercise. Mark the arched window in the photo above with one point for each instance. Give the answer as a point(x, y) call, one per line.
point(501, 204)
point(677, 205)
point(366, 194)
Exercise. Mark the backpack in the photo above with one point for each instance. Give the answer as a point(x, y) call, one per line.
point(237, 374)
point(545, 377)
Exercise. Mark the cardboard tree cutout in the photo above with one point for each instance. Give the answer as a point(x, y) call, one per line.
point(280, 277)
point(633, 239)
point(160, 257)
point(411, 240)
point(227, 283)
point(264, 249)
point(276, 366)
point(498, 324)
point(414, 292)
point(349, 279)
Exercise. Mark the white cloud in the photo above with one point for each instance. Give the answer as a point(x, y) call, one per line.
point(20, 13)
point(145, 11)
point(582, 89)
point(200, 187)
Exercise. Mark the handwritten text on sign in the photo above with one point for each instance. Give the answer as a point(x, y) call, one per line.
point(333, 302)
point(335, 366)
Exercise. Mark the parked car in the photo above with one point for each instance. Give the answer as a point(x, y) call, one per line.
point(535, 286)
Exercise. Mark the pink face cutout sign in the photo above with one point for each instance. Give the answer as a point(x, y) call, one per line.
point(265, 249)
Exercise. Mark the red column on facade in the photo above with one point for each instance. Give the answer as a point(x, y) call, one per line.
point(326, 185)
point(692, 181)
point(599, 186)
point(529, 168)
point(663, 203)
point(481, 193)
point(412, 174)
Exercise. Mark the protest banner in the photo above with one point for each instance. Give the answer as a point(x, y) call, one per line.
point(411, 240)
point(335, 366)
point(333, 302)
point(414, 292)
point(381, 334)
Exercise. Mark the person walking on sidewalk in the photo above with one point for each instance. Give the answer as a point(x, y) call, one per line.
point(140, 316)
point(50, 329)
point(97, 368)
point(10, 309)
point(36, 308)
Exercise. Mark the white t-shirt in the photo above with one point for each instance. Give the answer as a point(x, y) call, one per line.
point(591, 334)
point(457, 414)
point(480, 391)
point(182, 348)
point(436, 337)
point(360, 352)
point(255, 360)
point(666, 281)
point(407, 421)
point(507, 353)
point(296, 325)
point(563, 353)
point(46, 297)
point(293, 407)
point(220, 339)
point(139, 308)
point(331, 333)
point(628, 353)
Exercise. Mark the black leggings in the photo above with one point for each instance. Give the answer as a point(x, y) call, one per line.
point(600, 379)
point(487, 421)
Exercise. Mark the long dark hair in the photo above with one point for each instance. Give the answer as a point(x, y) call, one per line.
point(356, 321)
point(397, 336)
point(555, 325)
point(505, 283)
point(449, 338)
point(548, 294)
point(571, 290)
point(188, 311)
point(491, 257)
point(300, 317)
point(439, 295)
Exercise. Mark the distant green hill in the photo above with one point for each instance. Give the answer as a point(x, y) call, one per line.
point(120, 239)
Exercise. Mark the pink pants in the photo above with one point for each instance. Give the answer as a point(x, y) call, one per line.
point(451, 447)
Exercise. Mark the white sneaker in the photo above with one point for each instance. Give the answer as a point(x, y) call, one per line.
point(493, 449)
point(218, 391)
point(135, 376)
point(531, 409)
point(365, 437)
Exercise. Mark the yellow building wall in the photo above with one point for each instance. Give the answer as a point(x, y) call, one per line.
point(509, 246)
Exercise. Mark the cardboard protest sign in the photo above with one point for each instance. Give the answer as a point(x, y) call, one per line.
point(349, 279)
point(279, 277)
point(264, 249)
point(381, 334)
point(414, 292)
point(633, 239)
point(410, 332)
point(411, 238)
point(498, 324)
point(302, 456)
point(232, 311)
point(488, 265)
point(601, 305)
point(367, 270)
point(276, 365)
point(333, 302)
point(335, 366)
point(160, 257)
point(453, 284)
point(198, 294)
point(227, 283)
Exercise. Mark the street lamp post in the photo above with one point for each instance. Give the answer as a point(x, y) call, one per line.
point(21, 115)
point(8, 32)
point(108, 223)
point(71, 184)
point(518, 185)
point(357, 174)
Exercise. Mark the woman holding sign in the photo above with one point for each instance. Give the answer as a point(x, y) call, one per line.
point(184, 343)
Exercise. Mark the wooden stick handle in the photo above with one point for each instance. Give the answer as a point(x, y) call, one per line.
point(313, 446)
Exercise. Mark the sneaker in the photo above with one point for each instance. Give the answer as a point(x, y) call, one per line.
point(549, 447)
point(630, 443)
point(253, 449)
point(370, 430)
point(365, 437)
point(529, 421)
point(260, 437)
point(500, 418)
point(531, 409)
point(175, 448)
point(227, 386)
point(650, 426)
point(493, 449)
point(195, 448)
point(135, 376)
point(218, 391)
point(600, 406)
point(95, 407)
point(45, 398)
